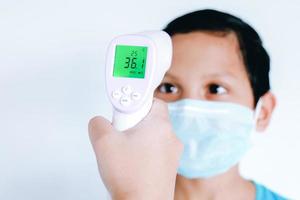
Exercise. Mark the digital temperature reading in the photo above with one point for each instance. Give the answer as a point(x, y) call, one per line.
point(130, 61)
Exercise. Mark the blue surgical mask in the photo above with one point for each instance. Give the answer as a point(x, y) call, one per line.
point(215, 135)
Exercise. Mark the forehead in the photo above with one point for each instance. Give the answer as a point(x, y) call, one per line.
point(206, 52)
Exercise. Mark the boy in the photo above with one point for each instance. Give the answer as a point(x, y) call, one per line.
point(217, 91)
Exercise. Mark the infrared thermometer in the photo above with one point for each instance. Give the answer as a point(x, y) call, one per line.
point(135, 66)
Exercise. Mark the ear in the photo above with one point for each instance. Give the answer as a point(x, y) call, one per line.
point(268, 103)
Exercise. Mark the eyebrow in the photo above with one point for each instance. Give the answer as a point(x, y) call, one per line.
point(171, 76)
point(221, 74)
point(212, 75)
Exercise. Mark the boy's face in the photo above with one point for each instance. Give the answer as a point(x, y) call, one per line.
point(206, 66)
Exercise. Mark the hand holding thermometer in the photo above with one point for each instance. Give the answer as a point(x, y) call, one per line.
point(135, 66)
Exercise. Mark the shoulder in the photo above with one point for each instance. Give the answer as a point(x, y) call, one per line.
point(263, 193)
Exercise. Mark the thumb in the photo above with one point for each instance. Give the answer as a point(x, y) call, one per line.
point(98, 128)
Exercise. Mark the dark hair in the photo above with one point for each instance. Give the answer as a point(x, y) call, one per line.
point(255, 57)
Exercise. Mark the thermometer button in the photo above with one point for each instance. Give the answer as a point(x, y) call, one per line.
point(125, 101)
point(116, 94)
point(135, 96)
point(127, 89)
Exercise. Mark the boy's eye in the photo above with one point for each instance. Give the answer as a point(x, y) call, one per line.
point(216, 89)
point(167, 88)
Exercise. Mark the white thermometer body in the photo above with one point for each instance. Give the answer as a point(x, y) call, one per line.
point(135, 66)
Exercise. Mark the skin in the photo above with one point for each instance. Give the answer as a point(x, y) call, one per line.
point(142, 162)
point(209, 66)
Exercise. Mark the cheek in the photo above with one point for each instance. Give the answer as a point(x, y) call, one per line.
point(244, 95)
point(157, 94)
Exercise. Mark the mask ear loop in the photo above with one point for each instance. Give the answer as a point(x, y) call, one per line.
point(257, 110)
point(256, 116)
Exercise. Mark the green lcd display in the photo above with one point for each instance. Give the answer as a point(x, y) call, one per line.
point(130, 61)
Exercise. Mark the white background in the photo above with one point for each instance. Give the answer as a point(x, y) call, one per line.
point(51, 82)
